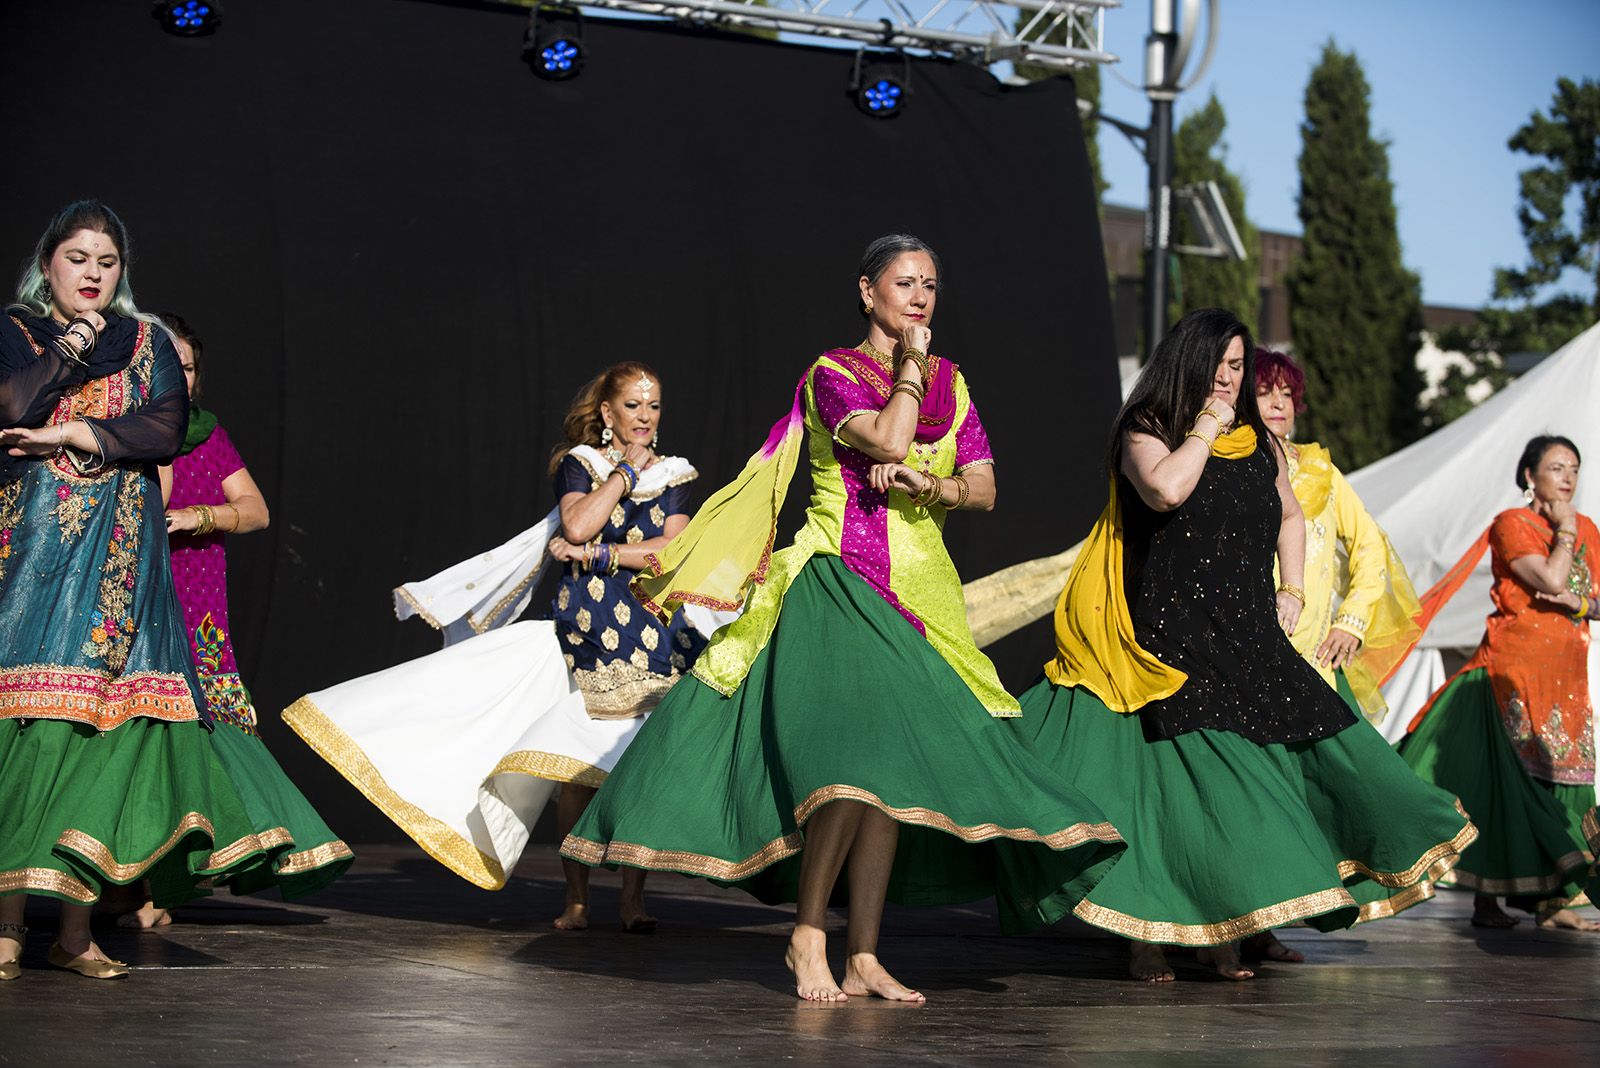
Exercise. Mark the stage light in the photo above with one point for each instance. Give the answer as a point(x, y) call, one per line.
point(880, 82)
point(188, 18)
point(553, 45)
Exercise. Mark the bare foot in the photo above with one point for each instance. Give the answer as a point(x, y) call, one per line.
point(1486, 912)
point(145, 917)
point(635, 920)
point(864, 976)
point(807, 958)
point(1566, 920)
point(1265, 946)
point(1149, 963)
point(1225, 959)
point(574, 918)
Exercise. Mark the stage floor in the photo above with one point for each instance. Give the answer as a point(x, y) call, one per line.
point(401, 963)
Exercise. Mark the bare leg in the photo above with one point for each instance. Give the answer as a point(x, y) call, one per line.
point(829, 835)
point(1486, 912)
point(635, 920)
point(569, 807)
point(871, 860)
point(75, 937)
point(1225, 959)
point(1147, 961)
point(146, 915)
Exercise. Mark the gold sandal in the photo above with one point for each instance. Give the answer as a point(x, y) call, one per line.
point(87, 966)
point(12, 969)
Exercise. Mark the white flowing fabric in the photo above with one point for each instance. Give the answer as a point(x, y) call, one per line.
point(462, 748)
point(436, 742)
point(1434, 497)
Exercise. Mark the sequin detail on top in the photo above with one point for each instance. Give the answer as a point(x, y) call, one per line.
point(1199, 581)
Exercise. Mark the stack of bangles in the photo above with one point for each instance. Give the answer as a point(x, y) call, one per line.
point(1583, 609)
point(935, 492)
point(1571, 539)
point(1293, 591)
point(630, 475)
point(920, 358)
point(206, 519)
point(602, 557)
point(82, 331)
point(1195, 432)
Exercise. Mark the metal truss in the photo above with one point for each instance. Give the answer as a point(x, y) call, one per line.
point(1050, 33)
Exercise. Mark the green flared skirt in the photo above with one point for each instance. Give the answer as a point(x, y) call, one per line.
point(303, 855)
point(80, 810)
point(847, 703)
point(1228, 838)
point(1531, 839)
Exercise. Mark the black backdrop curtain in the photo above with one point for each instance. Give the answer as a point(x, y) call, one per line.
point(405, 253)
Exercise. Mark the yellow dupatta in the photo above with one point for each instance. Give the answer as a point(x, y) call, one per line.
point(1095, 644)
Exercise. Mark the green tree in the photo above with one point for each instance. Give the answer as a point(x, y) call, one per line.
point(1355, 312)
point(1199, 154)
point(1566, 185)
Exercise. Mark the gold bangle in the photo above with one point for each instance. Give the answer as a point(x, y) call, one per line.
point(910, 389)
point(963, 488)
point(1210, 442)
point(926, 497)
point(1293, 591)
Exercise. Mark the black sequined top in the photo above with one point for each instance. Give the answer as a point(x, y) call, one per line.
point(1200, 590)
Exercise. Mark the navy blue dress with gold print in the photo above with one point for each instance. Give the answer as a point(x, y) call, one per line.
point(621, 657)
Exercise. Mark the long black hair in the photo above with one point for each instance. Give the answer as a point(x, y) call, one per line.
point(1176, 383)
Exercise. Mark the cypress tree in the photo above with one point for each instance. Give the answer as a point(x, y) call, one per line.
point(1199, 155)
point(1355, 312)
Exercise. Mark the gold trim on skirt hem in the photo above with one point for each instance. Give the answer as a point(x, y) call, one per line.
point(1591, 828)
point(1547, 883)
point(552, 766)
point(641, 856)
point(1433, 864)
point(1397, 903)
point(317, 857)
point(49, 881)
point(1214, 934)
point(436, 838)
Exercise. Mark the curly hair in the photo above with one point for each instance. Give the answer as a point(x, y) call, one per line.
point(583, 423)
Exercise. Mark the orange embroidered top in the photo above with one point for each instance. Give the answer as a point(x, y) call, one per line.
point(1537, 655)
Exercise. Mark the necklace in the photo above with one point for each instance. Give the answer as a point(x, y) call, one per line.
point(881, 358)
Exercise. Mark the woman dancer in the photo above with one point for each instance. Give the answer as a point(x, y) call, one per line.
point(1353, 641)
point(1251, 795)
point(1512, 732)
point(846, 722)
point(490, 725)
point(210, 495)
point(107, 771)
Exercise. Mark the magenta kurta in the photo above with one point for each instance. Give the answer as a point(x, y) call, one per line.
point(200, 571)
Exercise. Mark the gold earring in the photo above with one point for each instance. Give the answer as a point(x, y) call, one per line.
point(869, 307)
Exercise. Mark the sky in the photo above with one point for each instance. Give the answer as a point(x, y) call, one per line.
point(1451, 81)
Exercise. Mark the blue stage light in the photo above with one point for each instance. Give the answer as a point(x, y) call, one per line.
point(188, 18)
point(553, 45)
point(880, 83)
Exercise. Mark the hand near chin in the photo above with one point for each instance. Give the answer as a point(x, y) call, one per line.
point(917, 336)
point(640, 456)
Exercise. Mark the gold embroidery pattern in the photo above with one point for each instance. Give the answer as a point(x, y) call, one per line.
point(649, 637)
point(1591, 828)
point(564, 598)
point(610, 639)
point(105, 398)
point(318, 857)
point(638, 494)
point(1214, 934)
point(657, 516)
point(47, 880)
point(639, 659)
point(622, 689)
point(1396, 903)
point(72, 512)
point(622, 613)
point(435, 837)
point(1548, 883)
point(10, 519)
point(583, 619)
point(95, 697)
point(96, 852)
point(596, 588)
point(639, 856)
point(618, 517)
point(416, 608)
point(1352, 623)
point(111, 627)
point(574, 638)
point(552, 766)
point(635, 536)
point(1433, 865)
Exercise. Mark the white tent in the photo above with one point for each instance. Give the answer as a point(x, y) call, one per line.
point(1436, 496)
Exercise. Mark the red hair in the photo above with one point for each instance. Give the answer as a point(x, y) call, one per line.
point(583, 422)
point(1274, 368)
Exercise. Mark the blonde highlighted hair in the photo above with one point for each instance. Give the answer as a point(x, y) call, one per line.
point(584, 422)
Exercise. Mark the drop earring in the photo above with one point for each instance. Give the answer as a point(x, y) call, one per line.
point(605, 436)
point(1527, 496)
point(655, 439)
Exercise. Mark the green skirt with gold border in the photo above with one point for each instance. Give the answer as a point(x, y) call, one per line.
point(847, 702)
point(81, 809)
point(1228, 838)
point(1531, 835)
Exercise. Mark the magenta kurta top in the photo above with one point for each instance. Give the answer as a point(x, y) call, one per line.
point(200, 572)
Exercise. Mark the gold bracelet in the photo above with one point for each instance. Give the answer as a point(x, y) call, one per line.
point(1210, 442)
point(935, 490)
point(962, 489)
point(910, 389)
point(1293, 591)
